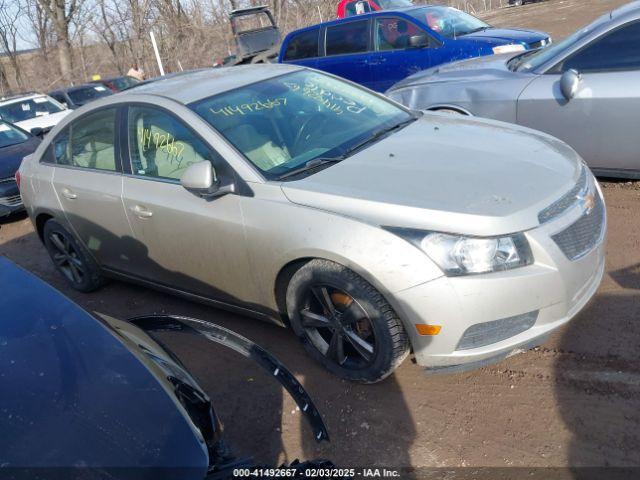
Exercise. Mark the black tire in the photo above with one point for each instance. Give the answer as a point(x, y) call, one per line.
point(372, 336)
point(71, 259)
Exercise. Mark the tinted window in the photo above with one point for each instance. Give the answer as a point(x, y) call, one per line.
point(281, 123)
point(349, 37)
point(616, 51)
point(161, 146)
point(394, 33)
point(80, 96)
point(10, 135)
point(89, 142)
point(304, 45)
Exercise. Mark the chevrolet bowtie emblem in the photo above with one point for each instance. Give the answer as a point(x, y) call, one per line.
point(588, 202)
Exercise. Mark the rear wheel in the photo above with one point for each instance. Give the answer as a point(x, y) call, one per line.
point(345, 323)
point(70, 258)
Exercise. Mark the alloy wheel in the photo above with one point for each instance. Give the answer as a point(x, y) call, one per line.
point(337, 325)
point(66, 258)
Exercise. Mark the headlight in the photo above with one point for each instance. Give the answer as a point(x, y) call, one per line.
point(460, 255)
point(512, 47)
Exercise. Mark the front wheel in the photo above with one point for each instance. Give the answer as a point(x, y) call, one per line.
point(345, 323)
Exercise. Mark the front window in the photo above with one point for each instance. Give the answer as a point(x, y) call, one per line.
point(161, 146)
point(9, 135)
point(28, 108)
point(81, 96)
point(394, 33)
point(448, 21)
point(282, 123)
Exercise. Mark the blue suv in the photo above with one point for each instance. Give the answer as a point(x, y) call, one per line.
point(381, 48)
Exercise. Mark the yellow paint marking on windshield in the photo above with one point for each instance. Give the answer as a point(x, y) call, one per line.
point(243, 108)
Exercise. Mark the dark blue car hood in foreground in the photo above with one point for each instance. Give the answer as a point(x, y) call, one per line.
point(11, 156)
point(509, 35)
point(73, 395)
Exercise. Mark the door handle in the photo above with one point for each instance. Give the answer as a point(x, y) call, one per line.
point(66, 193)
point(141, 212)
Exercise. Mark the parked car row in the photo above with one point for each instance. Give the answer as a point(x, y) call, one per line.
point(582, 90)
point(25, 118)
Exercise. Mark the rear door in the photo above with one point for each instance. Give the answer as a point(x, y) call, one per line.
point(601, 121)
point(394, 58)
point(181, 240)
point(347, 48)
point(88, 183)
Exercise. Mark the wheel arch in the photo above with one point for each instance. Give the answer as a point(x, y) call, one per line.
point(40, 220)
point(457, 108)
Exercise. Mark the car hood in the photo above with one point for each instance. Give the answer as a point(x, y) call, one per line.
point(490, 68)
point(449, 174)
point(45, 122)
point(11, 156)
point(501, 35)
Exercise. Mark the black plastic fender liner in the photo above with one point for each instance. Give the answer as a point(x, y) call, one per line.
point(246, 348)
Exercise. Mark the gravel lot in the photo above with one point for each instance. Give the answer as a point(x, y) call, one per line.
point(573, 402)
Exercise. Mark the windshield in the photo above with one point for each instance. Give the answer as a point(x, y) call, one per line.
point(122, 83)
point(448, 21)
point(282, 123)
point(84, 95)
point(538, 58)
point(9, 135)
point(26, 109)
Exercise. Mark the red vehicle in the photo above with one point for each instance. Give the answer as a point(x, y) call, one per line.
point(348, 8)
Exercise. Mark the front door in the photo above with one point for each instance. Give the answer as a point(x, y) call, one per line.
point(182, 241)
point(394, 58)
point(88, 183)
point(600, 122)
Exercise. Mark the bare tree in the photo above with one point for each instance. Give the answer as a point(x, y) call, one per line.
point(61, 13)
point(9, 15)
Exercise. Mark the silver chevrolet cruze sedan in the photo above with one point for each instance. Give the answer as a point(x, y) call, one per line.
point(295, 196)
point(584, 90)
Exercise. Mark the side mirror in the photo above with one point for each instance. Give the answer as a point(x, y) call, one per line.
point(569, 83)
point(201, 180)
point(418, 41)
point(36, 131)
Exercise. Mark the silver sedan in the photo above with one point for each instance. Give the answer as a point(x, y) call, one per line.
point(286, 193)
point(584, 90)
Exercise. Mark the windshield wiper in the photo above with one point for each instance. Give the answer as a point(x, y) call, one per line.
point(377, 135)
point(311, 165)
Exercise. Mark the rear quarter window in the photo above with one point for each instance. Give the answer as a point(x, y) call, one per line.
point(303, 45)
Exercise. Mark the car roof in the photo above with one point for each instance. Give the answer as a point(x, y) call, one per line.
point(189, 87)
point(20, 97)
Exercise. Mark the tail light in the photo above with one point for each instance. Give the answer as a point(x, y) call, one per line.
point(18, 179)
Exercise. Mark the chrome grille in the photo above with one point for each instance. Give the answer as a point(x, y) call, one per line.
point(12, 201)
point(558, 207)
point(581, 237)
point(486, 333)
point(7, 180)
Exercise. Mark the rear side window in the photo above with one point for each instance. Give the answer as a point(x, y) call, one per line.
point(616, 51)
point(161, 146)
point(352, 37)
point(89, 142)
point(304, 45)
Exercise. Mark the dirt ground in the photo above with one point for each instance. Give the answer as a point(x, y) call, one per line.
point(573, 402)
